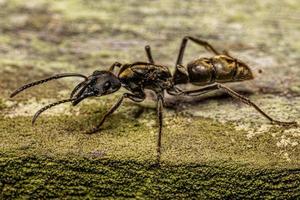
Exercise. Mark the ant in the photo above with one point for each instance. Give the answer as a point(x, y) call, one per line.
point(138, 76)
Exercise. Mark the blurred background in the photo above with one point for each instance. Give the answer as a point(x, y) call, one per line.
point(45, 37)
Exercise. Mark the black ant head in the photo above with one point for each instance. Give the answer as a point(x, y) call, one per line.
point(100, 83)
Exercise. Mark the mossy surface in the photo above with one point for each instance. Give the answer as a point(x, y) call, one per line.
point(42, 176)
point(213, 147)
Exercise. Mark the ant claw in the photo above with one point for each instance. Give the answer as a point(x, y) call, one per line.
point(285, 123)
point(92, 131)
point(155, 164)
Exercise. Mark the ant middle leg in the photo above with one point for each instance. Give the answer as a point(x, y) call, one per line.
point(160, 121)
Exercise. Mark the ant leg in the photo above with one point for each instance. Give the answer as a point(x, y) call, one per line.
point(149, 54)
point(136, 98)
point(196, 92)
point(112, 67)
point(181, 75)
point(235, 95)
point(249, 102)
point(226, 53)
point(203, 43)
point(109, 112)
point(160, 121)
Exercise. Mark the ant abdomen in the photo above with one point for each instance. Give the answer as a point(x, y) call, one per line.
point(220, 68)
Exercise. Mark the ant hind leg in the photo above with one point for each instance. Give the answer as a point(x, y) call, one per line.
point(203, 43)
point(234, 94)
point(249, 102)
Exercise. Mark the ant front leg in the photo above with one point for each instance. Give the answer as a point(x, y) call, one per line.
point(112, 67)
point(149, 54)
point(133, 97)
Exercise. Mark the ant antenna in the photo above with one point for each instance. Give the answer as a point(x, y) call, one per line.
point(58, 76)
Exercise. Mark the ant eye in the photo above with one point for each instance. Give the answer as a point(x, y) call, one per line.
point(106, 85)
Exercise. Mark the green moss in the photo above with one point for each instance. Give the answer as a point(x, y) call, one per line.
point(125, 137)
point(48, 177)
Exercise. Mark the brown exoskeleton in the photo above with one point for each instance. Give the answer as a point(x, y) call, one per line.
point(138, 76)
